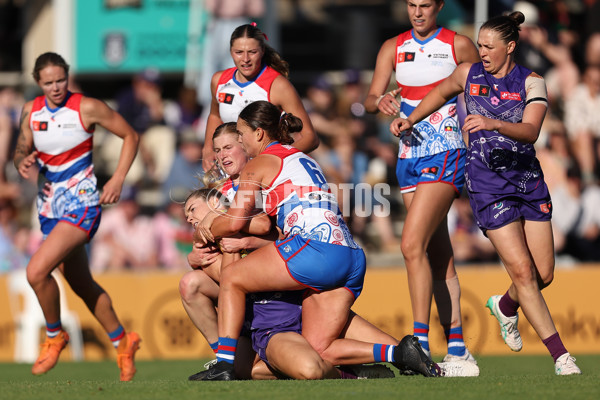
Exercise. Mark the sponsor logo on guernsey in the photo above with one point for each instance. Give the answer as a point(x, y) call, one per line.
point(405, 57)
point(438, 55)
point(40, 125)
point(546, 207)
point(510, 96)
point(68, 126)
point(287, 248)
point(226, 98)
point(501, 209)
point(479, 90)
point(431, 171)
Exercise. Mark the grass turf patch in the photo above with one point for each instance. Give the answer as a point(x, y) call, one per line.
point(502, 377)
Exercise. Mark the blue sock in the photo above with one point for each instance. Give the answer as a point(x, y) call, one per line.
point(214, 346)
point(421, 332)
point(383, 352)
point(53, 329)
point(456, 343)
point(226, 350)
point(116, 336)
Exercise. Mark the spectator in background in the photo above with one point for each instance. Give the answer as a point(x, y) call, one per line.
point(186, 167)
point(143, 106)
point(468, 242)
point(13, 239)
point(582, 119)
point(126, 239)
point(370, 150)
point(174, 236)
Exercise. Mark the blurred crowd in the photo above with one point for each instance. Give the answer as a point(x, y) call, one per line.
point(147, 230)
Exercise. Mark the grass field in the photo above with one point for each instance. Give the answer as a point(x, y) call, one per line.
point(503, 377)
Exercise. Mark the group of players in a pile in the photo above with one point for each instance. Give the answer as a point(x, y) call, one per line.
point(275, 268)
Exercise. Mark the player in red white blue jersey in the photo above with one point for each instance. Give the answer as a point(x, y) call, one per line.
point(317, 252)
point(430, 166)
point(56, 135)
point(259, 74)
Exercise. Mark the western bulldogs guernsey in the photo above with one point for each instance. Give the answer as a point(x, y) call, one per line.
point(65, 157)
point(300, 199)
point(497, 164)
point(421, 66)
point(233, 95)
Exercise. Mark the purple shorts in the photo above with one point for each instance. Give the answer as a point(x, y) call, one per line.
point(86, 219)
point(273, 313)
point(493, 211)
point(447, 167)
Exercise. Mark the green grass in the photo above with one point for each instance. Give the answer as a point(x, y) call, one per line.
point(506, 378)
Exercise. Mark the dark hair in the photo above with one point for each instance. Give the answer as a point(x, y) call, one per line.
point(271, 57)
point(227, 127)
point(47, 59)
point(507, 26)
point(265, 115)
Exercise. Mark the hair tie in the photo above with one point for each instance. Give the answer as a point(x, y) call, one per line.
point(256, 26)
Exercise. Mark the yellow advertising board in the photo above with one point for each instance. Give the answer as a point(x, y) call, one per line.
point(149, 303)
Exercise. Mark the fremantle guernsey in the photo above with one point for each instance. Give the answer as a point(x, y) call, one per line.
point(233, 96)
point(421, 66)
point(497, 164)
point(65, 156)
point(300, 198)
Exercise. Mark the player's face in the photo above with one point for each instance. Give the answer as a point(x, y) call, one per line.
point(423, 16)
point(247, 56)
point(195, 210)
point(230, 153)
point(53, 82)
point(493, 51)
point(249, 140)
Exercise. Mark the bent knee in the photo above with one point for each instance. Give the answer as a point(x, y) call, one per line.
point(546, 279)
point(192, 283)
point(312, 369)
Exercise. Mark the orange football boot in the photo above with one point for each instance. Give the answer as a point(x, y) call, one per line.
point(125, 354)
point(49, 353)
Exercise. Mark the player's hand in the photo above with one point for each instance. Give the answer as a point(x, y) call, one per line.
point(111, 192)
point(233, 244)
point(27, 163)
point(400, 125)
point(388, 104)
point(475, 123)
point(203, 232)
point(202, 255)
point(208, 158)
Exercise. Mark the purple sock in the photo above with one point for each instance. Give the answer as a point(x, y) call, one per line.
point(555, 346)
point(347, 375)
point(508, 306)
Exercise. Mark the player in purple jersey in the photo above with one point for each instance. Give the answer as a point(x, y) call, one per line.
point(430, 165)
point(56, 133)
point(254, 59)
point(506, 105)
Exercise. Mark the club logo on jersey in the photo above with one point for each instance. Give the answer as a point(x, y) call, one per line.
point(546, 207)
point(405, 57)
point(40, 125)
point(226, 98)
point(287, 248)
point(510, 96)
point(479, 90)
point(435, 118)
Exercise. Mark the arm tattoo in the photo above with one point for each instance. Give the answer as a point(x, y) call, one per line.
point(22, 149)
